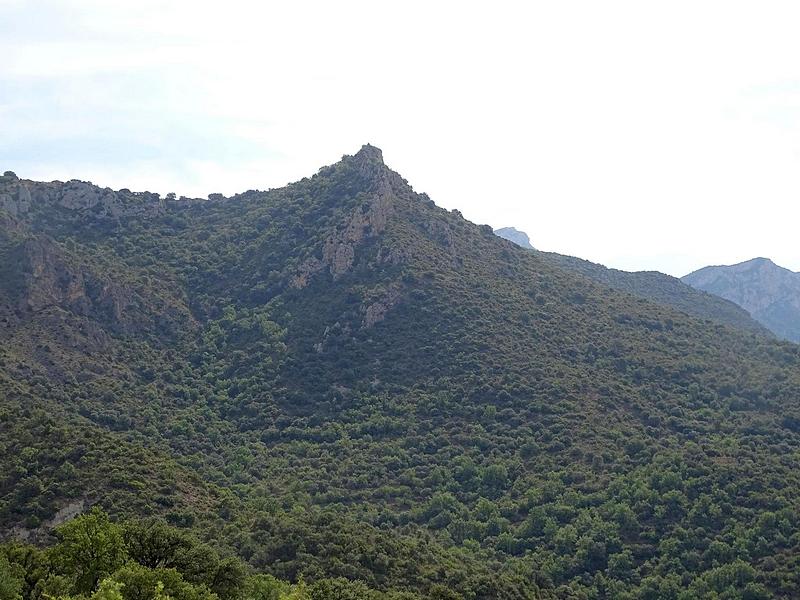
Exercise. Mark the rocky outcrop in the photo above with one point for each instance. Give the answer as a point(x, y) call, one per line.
point(376, 309)
point(339, 248)
point(338, 252)
point(40, 274)
point(85, 198)
point(74, 199)
point(15, 199)
point(46, 278)
point(41, 533)
point(367, 220)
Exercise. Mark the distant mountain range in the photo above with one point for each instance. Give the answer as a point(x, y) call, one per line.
point(665, 290)
point(520, 238)
point(652, 286)
point(756, 295)
point(770, 293)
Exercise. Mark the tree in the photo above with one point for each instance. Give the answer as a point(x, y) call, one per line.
point(265, 587)
point(340, 589)
point(155, 544)
point(108, 590)
point(91, 547)
point(298, 592)
point(10, 580)
point(142, 583)
point(229, 578)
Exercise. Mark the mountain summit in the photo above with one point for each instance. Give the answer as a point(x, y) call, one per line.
point(770, 293)
point(371, 153)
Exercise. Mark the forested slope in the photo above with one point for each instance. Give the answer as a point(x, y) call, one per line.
point(343, 380)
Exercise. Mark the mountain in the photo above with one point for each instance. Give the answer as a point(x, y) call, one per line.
point(340, 381)
point(520, 238)
point(649, 285)
point(771, 294)
point(663, 289)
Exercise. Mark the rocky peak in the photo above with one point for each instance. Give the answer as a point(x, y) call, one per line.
point(369, 153)
point(384, 188)
point(368, 162)
point(760, 263)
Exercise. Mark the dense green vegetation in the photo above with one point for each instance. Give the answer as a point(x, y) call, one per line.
point(97, 558)
point(339, 382)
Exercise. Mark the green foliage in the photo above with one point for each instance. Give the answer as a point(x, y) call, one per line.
point(200, 575)
point(142, 583)
point(265, 587)
point(341, 589)
point(90, 548)
point(110, 590)
point(11, 580)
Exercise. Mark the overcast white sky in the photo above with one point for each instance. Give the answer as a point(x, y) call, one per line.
point(642, 134)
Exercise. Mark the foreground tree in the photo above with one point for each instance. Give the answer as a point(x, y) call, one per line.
point(11, 580)
point(90, 547)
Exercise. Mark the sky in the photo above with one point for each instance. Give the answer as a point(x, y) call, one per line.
point(641, 135)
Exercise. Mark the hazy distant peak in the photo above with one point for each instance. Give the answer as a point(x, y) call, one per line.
point(763, 263)
point(769, 292)
point(663, 289)
point(512, 234)
point(759, 261)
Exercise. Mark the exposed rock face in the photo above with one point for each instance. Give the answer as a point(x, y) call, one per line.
point(67, 513)
point(369, 219)
point(520, 238)
point(83, 200)
point(338, 251)
point(15, 199)
point(41, 275)
point(41, 533)
point(376, 311)
point(47, 278)
point(770, 293)
point(38, 274)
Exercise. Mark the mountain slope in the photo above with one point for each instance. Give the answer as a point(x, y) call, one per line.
point(666, 290)
point(769, 292)
point(650, 285)
point(368, 386)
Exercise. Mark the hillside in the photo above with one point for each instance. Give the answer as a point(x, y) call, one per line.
point(649, 285)
point(340, 379)
point(768, 292)
point(666, 290)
